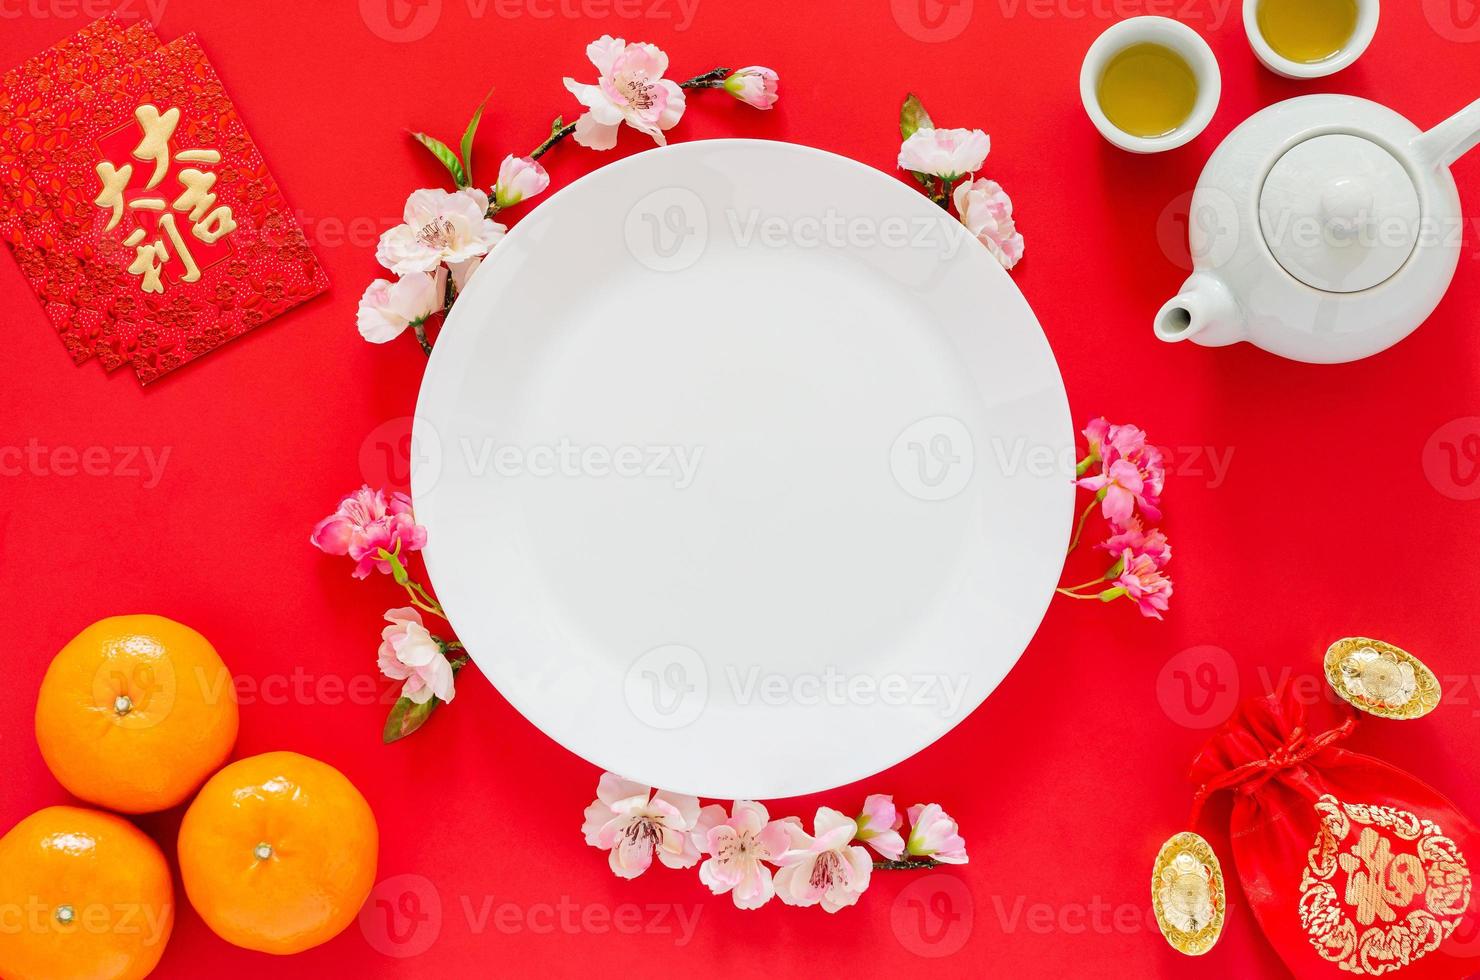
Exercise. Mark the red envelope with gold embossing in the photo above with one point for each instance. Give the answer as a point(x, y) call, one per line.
point(158, 212)
point(30, 96)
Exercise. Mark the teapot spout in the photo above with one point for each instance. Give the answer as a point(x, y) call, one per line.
point(1451, 139)
point(1204, 311)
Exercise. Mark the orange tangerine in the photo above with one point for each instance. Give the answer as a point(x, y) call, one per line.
point(84, 895)
point(135, 712)
point(278, 852)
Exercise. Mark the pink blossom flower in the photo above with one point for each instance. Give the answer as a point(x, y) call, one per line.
point(738, 845)
point(1143, 581)
point(1121, 488)
point(934, 834)
point(1113, 445)
point(1132, 536)
point(634, 823)
point(388, 308)
point(365, 522)
point(519, 179)
point(631, 89)
point(397, 530)
point(1154, 476)
point(878, 826)
point(1096, 433)
point(986, 211)
point(1129, 443)
point(946, 153)
point(755, 86)
point(440, 227)
point(409, 653)
point(1110, 442)
point(826, 868)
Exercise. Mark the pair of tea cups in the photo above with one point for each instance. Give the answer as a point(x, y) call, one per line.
point(1190, 56)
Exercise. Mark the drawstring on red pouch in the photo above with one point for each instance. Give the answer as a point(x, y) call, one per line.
point(1297, 750)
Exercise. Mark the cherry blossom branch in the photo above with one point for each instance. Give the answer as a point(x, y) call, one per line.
point(1079, 528)
point(1066, 590)
point(558, 132)
point(1125, 475)
point(420, 329)
point(420, 597)
point(906, 865)
point(945, 163)
point(736, 844)
point(942, 196)
point(451, 233)
point(375, 528)
point(710, 79)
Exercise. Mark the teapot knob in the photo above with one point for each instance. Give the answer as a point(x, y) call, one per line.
point(1346, 207)
point(1340, 213)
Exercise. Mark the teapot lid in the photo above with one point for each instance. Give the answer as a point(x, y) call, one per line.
point(1340, 213)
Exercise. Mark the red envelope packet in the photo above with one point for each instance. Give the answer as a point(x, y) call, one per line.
point(29, 98)
point(164, 216)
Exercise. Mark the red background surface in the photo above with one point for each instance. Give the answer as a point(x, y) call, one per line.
point(1326, 523)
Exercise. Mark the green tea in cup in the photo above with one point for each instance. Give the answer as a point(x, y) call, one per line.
point(1307, 31)
point(1147, 90)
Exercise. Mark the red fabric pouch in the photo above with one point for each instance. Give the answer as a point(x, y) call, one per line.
point(1351, 866)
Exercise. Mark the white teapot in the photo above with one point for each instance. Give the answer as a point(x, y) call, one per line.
point(1324, 229)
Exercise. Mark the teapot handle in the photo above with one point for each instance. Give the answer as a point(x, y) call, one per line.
point(1451, 139)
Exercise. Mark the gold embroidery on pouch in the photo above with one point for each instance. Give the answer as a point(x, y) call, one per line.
point(1382, 887)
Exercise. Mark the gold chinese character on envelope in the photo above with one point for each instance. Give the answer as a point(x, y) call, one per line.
point(178, 230)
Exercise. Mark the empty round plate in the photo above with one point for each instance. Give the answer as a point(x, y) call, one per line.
point(746, 470)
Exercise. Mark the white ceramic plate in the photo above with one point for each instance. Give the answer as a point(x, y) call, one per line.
point(746, 471)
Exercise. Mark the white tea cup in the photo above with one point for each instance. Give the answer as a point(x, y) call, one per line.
point(1182, 41)
point(1368, 12)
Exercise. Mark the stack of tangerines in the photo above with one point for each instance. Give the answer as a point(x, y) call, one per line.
point(277, 852)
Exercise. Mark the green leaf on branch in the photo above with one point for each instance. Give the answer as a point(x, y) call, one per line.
point(406, 717)
point(467, 139)
point(913, 117)
point(557, 125)
point(445, 156)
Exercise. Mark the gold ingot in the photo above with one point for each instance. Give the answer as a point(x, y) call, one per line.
point(1380, 679)
point(1187, 894)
